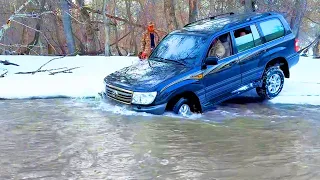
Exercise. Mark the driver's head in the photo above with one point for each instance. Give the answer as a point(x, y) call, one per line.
point(242, 33)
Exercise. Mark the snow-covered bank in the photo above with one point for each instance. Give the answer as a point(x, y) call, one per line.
point(87, 81)
point(302, 88)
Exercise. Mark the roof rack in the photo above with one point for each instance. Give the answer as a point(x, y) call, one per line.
point(262, 15)
point(210, 18)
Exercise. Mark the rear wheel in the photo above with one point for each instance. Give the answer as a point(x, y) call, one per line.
point(183, 107)
point(272, 83)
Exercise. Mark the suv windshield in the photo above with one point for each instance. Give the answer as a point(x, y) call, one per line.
point(183, 49)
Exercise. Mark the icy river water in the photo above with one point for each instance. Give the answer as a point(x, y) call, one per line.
point(89, 139)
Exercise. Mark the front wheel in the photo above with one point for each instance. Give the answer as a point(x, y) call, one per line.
point(272, 83)
point(182, 107)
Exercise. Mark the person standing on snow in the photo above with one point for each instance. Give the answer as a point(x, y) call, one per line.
point(150, 39)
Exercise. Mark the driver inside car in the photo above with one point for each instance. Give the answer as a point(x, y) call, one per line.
point(217, 49)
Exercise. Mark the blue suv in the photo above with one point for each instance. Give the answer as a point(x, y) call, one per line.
point(207, 62)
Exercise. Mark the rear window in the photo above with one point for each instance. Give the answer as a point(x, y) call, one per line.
point(272, 29)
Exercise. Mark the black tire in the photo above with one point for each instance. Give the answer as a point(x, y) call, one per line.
point(180, 103)
point(264, 91)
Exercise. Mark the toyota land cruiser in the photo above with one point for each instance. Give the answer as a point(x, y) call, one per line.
point(189, 72)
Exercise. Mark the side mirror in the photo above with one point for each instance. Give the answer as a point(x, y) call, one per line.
point(212, 60)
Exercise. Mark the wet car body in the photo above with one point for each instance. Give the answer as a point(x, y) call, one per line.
point(179, 66)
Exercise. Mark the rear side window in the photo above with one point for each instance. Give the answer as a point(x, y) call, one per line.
point(272, 29)
point(247, 38)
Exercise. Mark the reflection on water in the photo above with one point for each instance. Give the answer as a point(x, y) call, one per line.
point(72, 139)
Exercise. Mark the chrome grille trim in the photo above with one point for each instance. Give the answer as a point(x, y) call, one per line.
point(118, 94)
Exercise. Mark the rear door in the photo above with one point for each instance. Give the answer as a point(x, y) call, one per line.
point(249, 48)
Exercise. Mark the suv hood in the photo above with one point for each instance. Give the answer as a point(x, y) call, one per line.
point(144, 76)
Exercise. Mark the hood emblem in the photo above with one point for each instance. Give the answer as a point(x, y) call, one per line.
point(115, 93)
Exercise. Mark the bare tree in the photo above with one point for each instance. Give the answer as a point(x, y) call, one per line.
point(298, 13)
point(133, 42)
point(66, 19)
point(193, 10)
point(106, 30)
point(249, 6)
point(170, 15)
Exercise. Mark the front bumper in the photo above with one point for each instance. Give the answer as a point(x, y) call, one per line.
point(157, 109)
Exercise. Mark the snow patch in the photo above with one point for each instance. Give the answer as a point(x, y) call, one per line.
point(87, 81)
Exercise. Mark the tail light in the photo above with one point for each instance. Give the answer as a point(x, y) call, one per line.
point(296, 45)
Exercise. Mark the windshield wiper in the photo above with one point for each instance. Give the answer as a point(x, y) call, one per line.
point(170, 60)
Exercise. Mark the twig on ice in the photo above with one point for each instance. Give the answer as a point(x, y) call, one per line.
point(46, 70)
point(4, 74)
point(47, 63)
point(39, 69)
point(7, 63)
point(64, 71)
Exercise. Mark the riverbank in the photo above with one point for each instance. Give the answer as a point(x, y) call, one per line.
point(86, 80)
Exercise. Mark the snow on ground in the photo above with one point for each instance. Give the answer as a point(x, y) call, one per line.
point(86, 81)
point(302, 88)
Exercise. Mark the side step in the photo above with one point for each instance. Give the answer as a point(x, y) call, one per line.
point(237, 92)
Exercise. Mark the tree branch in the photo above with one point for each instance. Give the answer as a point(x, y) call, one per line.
point(312, 20)
point(120, 39)
point(114, 17)
point(64, 71)
point(4, 74)
point(39, 69)
point(307, 47)
point(47, 63)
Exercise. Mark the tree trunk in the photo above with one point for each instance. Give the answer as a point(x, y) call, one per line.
point(211, 7)
point(193, 10)
point(36, 38)
point(316, 49)
point(117, 40)
point(24, 39)
point(249, 6)
point(106, 30)
point(91, 45)
point(170, 15)
point(298, 13)
point(182, 20)
point(131, 28)
point(58, 35)
point(116, 30)
point(67, 26)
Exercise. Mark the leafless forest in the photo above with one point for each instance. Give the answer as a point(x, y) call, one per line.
point(114, 27)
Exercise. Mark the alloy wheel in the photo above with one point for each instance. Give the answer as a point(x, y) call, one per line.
point(274, 83)
point(185, 110)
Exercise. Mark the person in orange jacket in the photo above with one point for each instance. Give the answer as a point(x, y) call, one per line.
point(150, 39)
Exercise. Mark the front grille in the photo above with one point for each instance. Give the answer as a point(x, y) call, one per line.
point(119, 94)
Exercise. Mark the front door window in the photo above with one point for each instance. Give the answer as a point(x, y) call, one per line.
point(221, 47)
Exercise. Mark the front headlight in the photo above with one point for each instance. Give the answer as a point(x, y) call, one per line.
point(143, 98)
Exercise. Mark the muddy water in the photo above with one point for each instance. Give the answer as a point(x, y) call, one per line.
point(87, 139)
